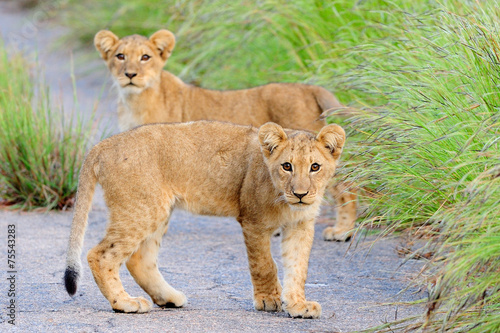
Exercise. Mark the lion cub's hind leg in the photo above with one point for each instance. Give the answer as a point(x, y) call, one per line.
point(345, 197)
point(144, 268)
point(130, 227)
point(105, 260)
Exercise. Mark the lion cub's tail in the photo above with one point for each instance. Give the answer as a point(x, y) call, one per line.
point(84, 195)
point(326, 101)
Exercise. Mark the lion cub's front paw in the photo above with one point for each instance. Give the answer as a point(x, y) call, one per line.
point(132, 305)
point(334, 234)
point(304, 310)
point(267, 303)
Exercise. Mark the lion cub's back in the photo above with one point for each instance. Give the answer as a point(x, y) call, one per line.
point(196, 161)
point(178, 145)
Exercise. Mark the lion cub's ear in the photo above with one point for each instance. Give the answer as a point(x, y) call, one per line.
point(270, 136)
point(332, 137)
point(164, 40)
point(104, 41)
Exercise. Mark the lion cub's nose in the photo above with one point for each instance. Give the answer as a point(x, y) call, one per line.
point(300, 195)
point(130, 75)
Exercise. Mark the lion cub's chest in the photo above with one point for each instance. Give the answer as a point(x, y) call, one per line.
point(127, 119)
point(288, 216)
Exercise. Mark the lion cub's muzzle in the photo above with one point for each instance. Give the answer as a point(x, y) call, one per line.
point(300, 196)
point(130, 77)
point(300, 200)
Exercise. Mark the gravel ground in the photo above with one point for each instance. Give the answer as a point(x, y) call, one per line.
point(205, 258)
point(202, 256)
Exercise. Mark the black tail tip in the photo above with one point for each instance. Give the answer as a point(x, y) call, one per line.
point(70, 280)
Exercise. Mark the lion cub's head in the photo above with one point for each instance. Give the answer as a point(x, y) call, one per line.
point(301, 163)
point(135, 61)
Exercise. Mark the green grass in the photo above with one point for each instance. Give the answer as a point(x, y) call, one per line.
point(40, 151)
point(430, 147)
point(422, 79)
point(228, 45)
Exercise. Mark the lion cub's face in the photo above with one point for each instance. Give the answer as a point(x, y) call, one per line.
point(300, 163)
point(135, 61)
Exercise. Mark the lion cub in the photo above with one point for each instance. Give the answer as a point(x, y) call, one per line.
point(148, 94)
point(265, 178)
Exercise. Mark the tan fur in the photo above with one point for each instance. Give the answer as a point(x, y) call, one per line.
point(207, 168)
point(157, 96)
point(345, 194)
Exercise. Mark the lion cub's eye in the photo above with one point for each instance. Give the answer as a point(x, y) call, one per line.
point(120, 56)
point(315, 167)
point(145, 57)
point(286, 166)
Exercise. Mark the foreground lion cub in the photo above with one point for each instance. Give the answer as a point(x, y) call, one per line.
point(148, 94)
point(266, 178)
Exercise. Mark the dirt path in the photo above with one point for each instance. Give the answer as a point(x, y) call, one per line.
point(205, 258)
point(202, 256)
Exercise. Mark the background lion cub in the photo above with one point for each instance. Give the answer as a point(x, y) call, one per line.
point(148, 94)
point(267, 179)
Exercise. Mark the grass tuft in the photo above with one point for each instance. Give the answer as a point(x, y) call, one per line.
point(430, 147)
point(40, 151)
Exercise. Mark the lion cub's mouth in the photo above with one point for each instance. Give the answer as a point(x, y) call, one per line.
point(300, 204)
point(131, 85)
